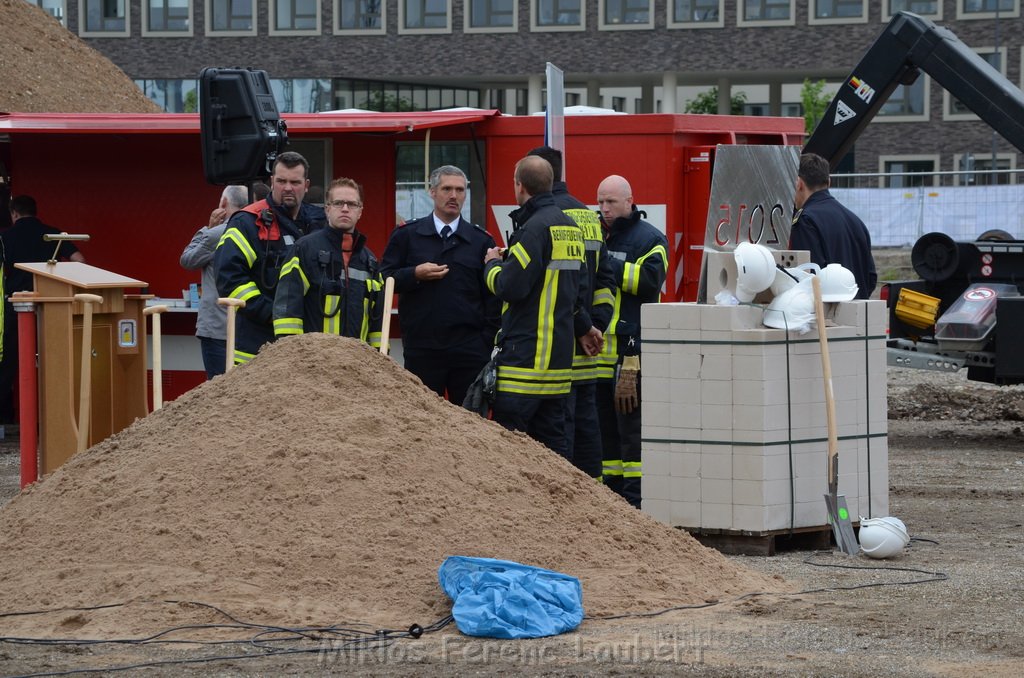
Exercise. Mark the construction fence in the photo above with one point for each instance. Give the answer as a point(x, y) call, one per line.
point(900, 208)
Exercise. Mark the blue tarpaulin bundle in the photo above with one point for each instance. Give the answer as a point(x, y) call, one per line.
point(502, 599)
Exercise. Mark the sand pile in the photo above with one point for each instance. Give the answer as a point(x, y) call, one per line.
point(322, 483)
point(48, 69)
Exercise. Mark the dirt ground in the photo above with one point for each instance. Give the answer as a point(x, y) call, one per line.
point(957, 481)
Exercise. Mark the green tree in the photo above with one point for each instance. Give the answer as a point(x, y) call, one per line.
point(383, 101)
point(191, 104)
point(707, 102)
point(815, 103)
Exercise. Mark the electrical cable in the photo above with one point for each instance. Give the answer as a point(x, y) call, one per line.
point(342, 638)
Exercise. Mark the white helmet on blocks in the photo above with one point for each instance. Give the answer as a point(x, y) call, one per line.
point(755, 270)
point(837, 283)
point(792, 310)
point(785, 278)
point(882, 537)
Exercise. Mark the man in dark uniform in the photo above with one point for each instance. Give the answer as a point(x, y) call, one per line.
point(331, 283)
point(539, 281)
point(831, 232)
point(448, 317)
point(639, 256)
point(22, 243)
point(257, 243)
point(582, 429)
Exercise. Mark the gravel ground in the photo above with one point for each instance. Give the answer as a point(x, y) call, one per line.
point(957, 481)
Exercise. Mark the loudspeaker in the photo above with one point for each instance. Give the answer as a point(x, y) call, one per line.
point(240, 129)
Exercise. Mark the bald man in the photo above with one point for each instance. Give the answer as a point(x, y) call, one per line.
point(639, 258)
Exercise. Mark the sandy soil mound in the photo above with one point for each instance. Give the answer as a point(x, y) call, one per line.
point(917, 394)
point(48, 69)
point(322, 483)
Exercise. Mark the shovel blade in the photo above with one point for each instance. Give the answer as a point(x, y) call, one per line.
point(842, 528)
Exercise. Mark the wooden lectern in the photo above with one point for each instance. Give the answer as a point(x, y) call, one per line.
point(118, 389)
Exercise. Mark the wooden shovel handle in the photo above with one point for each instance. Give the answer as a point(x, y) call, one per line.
point(830, 404)
point(385, 326)
point(158, 373)
point(232, 305)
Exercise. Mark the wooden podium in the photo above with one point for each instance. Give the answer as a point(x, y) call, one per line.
point(118, 388)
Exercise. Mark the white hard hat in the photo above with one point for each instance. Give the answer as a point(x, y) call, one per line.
point(755, 270)
point(837, 283)
point(792, 310)
point(785, 278)
point(882, 537)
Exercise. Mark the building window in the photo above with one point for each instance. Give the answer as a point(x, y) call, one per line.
point(230, 16)
point(954, 109)
point(55, 8)
point(976, 169)
point(695, 13)
point(838, 12)
point(927, 8)
point(174, 96)
point(619, 14)
point(486, 15)
point(295, 17)
point(425, 16)
point(359, 16)
point(167, 17)
point(907, 102)
point(765, 13)
point(103, 17)
point(986, 9)
point(907, 171)
point(791, 110)
point(554, 15)
point(298, 95)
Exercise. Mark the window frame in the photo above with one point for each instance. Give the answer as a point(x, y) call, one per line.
point(947, 98)
point(935, 159)
point(562, 28)
point(467, 9)
point(887, 13)
point(403, 30)
point(336, 29)
point(963, 15)
point(216, 33)
point(924, 117)
point(1012, 157)
point(84, 32)
point(273, 30)
point(148, 33)
point(743, 22)
point(603, 26)
point(814, 20)
point(671, 23)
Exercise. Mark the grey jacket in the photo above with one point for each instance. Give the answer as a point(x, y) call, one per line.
point(212, 319)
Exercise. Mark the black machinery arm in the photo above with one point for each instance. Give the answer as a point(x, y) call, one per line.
point(910, 44)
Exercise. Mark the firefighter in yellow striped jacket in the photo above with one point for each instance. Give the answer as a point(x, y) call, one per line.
point(538, 281)
point(639, 256)
point(331, 283)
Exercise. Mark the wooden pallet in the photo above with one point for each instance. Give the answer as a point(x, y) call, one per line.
point(735, 542)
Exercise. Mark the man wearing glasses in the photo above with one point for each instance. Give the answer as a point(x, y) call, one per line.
point(331, 283)
point(448, 316)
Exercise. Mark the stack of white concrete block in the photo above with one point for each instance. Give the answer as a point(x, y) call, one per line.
point(735, 434)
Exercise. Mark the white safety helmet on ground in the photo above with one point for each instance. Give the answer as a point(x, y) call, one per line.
point(792, 310)
point(785, 278)
point(837, 283)
point(755, 270)
point(883, 537)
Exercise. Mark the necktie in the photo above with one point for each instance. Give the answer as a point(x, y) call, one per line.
point(445, 232)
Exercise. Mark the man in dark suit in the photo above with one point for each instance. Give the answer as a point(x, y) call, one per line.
point(448, 316)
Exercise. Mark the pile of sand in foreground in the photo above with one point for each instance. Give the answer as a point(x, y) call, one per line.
point(323, 484)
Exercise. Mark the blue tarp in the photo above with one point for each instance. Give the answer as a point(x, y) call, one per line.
point(502, 599)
